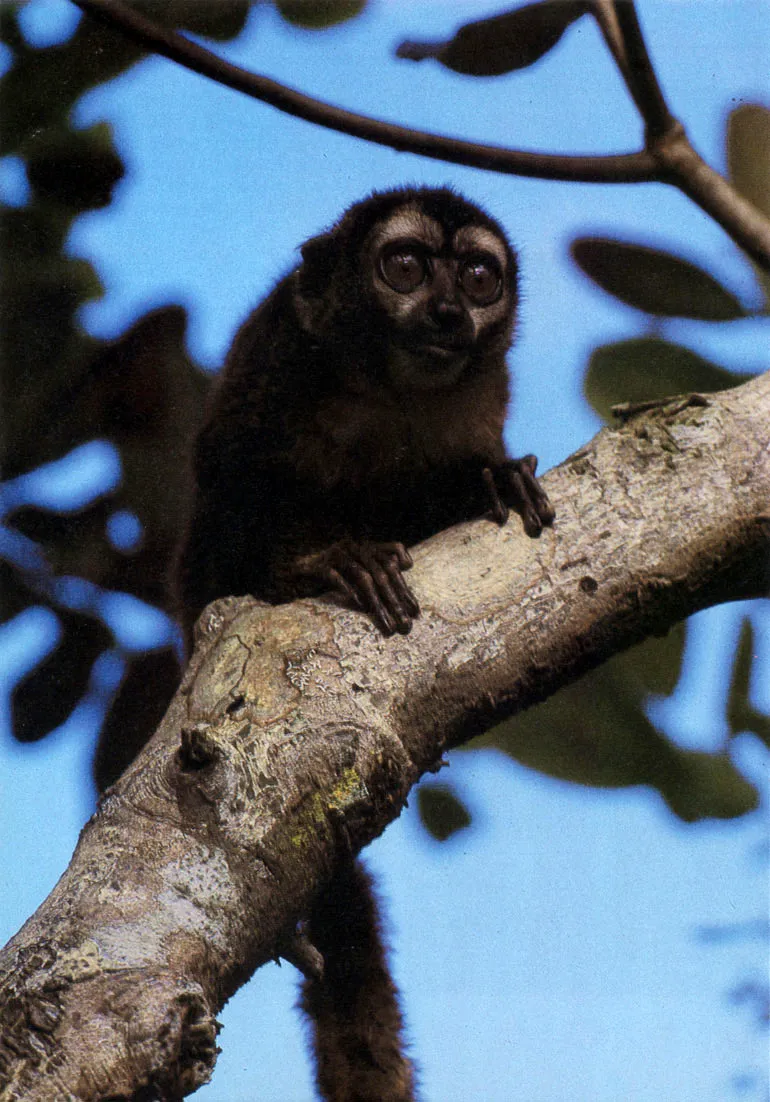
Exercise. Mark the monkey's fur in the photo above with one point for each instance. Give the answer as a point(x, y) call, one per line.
point(360, 411)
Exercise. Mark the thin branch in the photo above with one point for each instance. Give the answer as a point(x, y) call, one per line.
point(636, 66)
point(606, 17)
point(666, 138)
point(669, 159)
point(683, 167)
point(624, 168)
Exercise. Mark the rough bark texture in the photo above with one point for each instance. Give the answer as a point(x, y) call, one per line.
point(299, 730)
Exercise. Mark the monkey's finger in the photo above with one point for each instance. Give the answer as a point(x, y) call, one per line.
point(391, 588)
point(336, 581)
point(538, 498)
point(383, 560)
point(401, 554)
point(387, 583)
point(371, 601)
point(405, 596)
point(497, 506)
point(533, 526)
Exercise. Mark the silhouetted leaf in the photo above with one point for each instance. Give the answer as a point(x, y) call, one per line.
point(41, 86)
point(78, 169)
point(491, 47)
point(62, 387)
point(316, 14)
point(210, 18)
point(49, 693)
point(748, 153)
point(14, 596)
point(48, 527)
point(596, 733)
point(655, 281)
point(647, 368)
point(441, 811)
point(741, 713)
point(748, 160)
point(144, 393)
point(754, 994)
point(138, 708)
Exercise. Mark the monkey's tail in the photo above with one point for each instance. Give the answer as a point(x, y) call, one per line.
point(353, 1009)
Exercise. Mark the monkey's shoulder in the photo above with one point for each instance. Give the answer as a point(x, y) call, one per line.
point(261, 379)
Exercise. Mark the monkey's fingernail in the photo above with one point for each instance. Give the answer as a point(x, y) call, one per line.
point(387, 625)
point(532, 523)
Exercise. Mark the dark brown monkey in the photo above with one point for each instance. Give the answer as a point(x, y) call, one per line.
point(360, 411)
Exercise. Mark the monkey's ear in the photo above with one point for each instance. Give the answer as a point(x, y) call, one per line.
point(312, 298)
point(319, 259)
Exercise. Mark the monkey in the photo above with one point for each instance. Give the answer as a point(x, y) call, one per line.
point(360, 410)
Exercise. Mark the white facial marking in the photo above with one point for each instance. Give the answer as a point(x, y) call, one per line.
point(407, 221)
point(473, 238)
point(416, 368)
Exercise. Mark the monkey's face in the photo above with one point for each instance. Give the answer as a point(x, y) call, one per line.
point(445, 296)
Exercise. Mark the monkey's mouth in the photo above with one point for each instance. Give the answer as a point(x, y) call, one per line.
point(426, 365)
point(443, 352)
point(438, 359)
point(439, 349)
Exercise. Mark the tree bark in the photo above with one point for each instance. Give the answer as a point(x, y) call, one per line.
point(299, 730)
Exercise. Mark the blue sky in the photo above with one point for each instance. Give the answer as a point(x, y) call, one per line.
point(550, 952)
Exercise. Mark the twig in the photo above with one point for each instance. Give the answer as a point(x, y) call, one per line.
point(606, 17)
point(626, 410)
point(639, 73)
point(666, 139)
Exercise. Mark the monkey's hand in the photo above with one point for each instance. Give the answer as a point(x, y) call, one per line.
point(369, 576)
point(513, 484)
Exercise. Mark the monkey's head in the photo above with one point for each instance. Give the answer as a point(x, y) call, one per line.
point(423, 279)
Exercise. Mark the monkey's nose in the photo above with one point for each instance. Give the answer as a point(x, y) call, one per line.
point(448, 315)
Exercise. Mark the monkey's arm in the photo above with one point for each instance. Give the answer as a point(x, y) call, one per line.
point(225, 550)
point(270, 540)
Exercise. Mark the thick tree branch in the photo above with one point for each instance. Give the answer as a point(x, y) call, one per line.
point(299, 730)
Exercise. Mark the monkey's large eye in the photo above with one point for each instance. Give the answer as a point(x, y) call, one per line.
point(480, 278)
point(403, 267)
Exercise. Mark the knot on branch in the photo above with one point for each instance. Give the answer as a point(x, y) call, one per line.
point(197, 1047)
point(198, 748)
